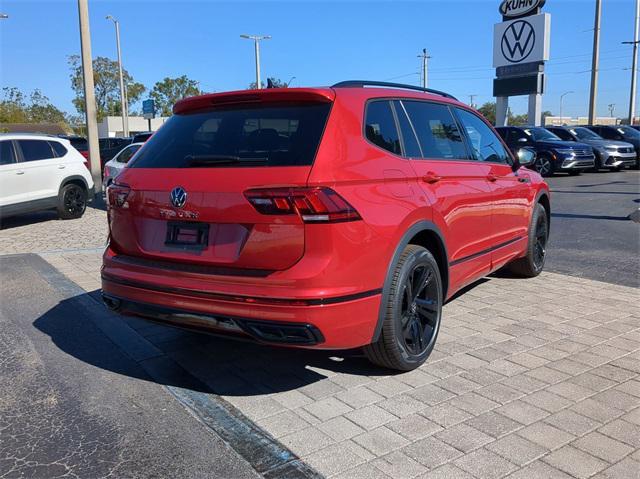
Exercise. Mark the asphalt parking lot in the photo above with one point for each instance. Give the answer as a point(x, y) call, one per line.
point(530, 378)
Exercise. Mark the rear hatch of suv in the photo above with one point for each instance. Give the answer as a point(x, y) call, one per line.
point(217, 185)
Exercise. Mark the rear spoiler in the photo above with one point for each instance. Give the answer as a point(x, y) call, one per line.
point(271, 95)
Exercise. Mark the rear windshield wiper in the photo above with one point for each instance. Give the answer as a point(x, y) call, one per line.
point(207, 160)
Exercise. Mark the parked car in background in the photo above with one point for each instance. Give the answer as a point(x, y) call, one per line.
point(620, 133)
point(610, 154)
point(327, 218)
point(109, 147)
point(552, 154)
point(142, 137)
point(40, 172)
point(114, 166)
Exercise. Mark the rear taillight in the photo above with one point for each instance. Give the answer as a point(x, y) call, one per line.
point(314, 205)
point(117, 196)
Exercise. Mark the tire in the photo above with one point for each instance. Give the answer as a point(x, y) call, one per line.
point(72, 201)
point(532, 263)
point(544, 165)
point(410, 326)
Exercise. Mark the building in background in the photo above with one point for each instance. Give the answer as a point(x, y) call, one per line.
point(581, 120)
point(112, 125)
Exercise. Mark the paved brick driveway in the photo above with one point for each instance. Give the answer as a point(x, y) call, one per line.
point(529, 379)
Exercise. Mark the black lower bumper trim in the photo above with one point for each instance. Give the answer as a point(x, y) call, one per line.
point(267, 331)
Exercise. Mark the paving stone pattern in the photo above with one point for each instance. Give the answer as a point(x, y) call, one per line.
point(534, 378)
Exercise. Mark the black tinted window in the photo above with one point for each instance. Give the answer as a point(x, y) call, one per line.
point(79, 144)
point(437, 131)
point(409, 140)
point(58, 149)
point(34, 150)
point(248, 136)
point(7, 155)
point(127, 153)
point(484, 142)
point(380, 126)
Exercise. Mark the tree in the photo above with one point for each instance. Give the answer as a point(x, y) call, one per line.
point(14, 108)
point(167, 92)
point(275, 82)
point(488, 110)
point(107, 86)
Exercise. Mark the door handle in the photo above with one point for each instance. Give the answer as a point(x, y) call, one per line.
point(431, 177)
point(19, 172)
point(492, 178)
point(61, 167)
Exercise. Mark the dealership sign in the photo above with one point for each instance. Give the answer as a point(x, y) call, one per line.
point(525, 40)
point(518, 8)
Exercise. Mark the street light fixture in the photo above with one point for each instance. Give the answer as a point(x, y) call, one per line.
point(256, 40)
point(561, 99)
point(289, 82)
point(3, 16)
point(123, 92)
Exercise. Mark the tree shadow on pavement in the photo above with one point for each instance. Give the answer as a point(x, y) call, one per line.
point(190, 360)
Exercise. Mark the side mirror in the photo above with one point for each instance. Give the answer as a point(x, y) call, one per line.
point(526, 156)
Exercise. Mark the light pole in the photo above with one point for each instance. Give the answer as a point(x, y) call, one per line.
point(561, 99)
point(289, 82)
point(123, 93)
point(634, 65)
point(471, 97)
point(256, 40)
point(89, 95)
point(612, 108)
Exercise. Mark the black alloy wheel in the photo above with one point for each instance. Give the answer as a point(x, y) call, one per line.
point(419, 311)
point(72, 202)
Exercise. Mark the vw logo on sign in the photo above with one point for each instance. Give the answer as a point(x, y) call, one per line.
point(518, 41)
point(178, 197)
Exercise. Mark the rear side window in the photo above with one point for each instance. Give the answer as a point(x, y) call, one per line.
point(127, 153)
point(34, 150)
point(484, 142)
point(273, 135)
point(7, 155)
point(437, 131)
point(58, 149)
point(380, 126)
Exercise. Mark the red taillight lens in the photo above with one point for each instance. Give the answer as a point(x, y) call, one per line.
point(117, 196)
point(314, 205)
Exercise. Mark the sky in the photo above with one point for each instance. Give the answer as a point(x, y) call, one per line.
point(318, 43)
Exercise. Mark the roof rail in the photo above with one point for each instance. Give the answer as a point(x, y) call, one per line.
point(363, 83)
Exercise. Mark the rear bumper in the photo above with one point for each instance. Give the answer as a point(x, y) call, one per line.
point(329, 323)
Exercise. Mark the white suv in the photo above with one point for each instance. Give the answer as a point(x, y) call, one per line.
point(39, 172)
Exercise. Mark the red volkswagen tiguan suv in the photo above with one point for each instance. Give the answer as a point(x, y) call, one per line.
point(320, 217)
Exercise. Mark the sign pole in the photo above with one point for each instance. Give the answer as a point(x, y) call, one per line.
point(502, 105)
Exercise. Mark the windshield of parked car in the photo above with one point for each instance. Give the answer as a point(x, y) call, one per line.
point(585, 134)
point(541, 134)
point(628, 132)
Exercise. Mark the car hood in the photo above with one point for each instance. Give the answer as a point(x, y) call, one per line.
point(603, 143)
point(570, 145)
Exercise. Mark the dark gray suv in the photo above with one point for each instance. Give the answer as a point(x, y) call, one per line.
point(620, 133)
point(610, 154)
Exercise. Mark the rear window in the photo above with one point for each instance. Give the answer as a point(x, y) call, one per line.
point(274, 135)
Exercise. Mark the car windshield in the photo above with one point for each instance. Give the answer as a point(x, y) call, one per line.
point(628, 132)
point(540, 134)
point(585, 134)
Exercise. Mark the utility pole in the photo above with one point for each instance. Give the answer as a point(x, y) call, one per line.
point(425, 67)
point(256, 40)
point(89, 96)
point(612, 108)
point(594, 64)
point(634, 66)
point(471, 97)
point(123, 93)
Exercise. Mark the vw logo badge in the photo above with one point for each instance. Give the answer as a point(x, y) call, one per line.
point(178, 197)
point(518, 41)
